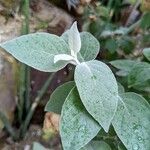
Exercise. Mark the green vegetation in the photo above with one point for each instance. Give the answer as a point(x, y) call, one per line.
point(107, 105)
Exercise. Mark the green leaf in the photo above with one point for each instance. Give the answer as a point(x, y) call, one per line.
point(102, 11)
point(132, 1)
point(145, 39)
point(38, 146)
point(64, 57)
point(121, 89)
point(143, 87)
point(111, 45)
point(89, 46)
point(77, 127)
point(74, 39)
point(131, 121)
point(58, 97)
point(98, 90)
point(38, 50)
point(145, 22)
point(146, 53)
point(123, 65)
point(112, 33)
point(96, 145)
point(121, 146)
point(121, 31)
point(127, 44)
point(140, 75)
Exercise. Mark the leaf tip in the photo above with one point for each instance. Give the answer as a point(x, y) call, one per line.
point(74, 24)
point(106, 127)
point(56, 59)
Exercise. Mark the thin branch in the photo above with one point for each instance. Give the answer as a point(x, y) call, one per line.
point(132, 27)
point(35, 104)
point(25, 30)
point(8, 126)
point(24, 89)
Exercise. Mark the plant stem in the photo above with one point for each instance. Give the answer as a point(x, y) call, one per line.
point(21, 92)
point(24, 100)
point(8, 126)
point(132, 27)
point(35, 104)
point(27, 68)
point(26, 15)
point(109, 5)
point(27, 93)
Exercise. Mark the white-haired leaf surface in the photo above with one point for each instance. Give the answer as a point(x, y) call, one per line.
point(63, 57)
point(98, 90)
point(96, 145)
point(58, 97)
point(77, 127)
point(38, 50)
point(89, 46)
point(74, 39)
point(146, 53)
point(132, 120)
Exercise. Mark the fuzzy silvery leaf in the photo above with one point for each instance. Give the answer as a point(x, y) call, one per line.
point(96, 145)
point(111, 45)
point(131, 121)
point(38, 50)
point(121, 89)
point(58, 97)
point(121, 31)
point(145, 21)
point(89, 46)
point(77, 127)
point(98, 90)
point(106, 33)
point(139, 76)
point(38, 146)
point(74, 40)
point(109, 33)
point(63, 57)
point(124, 66)
point(146, 53)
